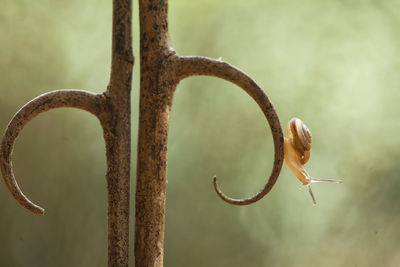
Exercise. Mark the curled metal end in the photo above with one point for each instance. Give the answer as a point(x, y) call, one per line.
point(56, 99)
point(224, 197)
point(9, 179)
point(192, 66)
point(246, 201)
point(20, 197)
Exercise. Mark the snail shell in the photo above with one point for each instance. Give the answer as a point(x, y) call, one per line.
point(297, 150)
point(300, 139)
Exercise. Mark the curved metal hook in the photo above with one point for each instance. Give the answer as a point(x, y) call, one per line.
point(189, 66)
point(55, 99)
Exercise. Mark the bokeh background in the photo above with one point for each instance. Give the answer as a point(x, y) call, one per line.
point(335, 64)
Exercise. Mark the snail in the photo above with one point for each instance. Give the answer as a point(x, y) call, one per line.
point(297, 151)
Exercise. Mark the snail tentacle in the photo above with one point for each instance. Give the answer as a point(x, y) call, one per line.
point(312, 195)
point(315, 180)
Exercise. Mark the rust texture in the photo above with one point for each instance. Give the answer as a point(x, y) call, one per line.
point(112, 108)
point(157, 84)
point(117, 134)
point(161, 70)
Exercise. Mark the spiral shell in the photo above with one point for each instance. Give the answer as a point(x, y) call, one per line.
point(300, 139)
point(297, 146)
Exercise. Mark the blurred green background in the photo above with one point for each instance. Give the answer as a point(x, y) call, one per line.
point(335, 64)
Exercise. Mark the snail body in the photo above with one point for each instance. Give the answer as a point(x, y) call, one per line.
point(297, 151)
